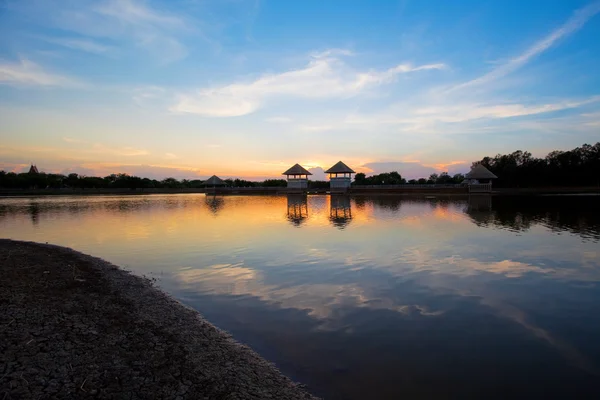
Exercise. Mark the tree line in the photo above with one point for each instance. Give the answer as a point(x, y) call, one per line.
point(577, 167)
point(11, 180)
point(394, 178)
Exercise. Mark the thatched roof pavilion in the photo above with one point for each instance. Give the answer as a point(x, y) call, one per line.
point(480, 179)
point(340, 168)
point(337, 182)
point(297, 177)
point(480, 172)
point(214, 181)
point(297, 169)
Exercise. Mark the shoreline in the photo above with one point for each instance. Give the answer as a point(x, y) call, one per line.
point(589, 190)
point(76, 326)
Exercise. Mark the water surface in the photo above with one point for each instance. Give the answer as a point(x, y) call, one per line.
point(369, 297)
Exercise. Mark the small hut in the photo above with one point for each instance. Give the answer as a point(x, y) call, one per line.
point(214, 181)
point(297, 177)
point(337, 182)
point(479, 179)
point(211, 184)
point(480, 174)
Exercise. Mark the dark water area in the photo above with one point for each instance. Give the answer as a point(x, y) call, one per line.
point(367, 297)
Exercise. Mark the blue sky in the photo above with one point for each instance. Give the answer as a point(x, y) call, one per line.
point(247, 88)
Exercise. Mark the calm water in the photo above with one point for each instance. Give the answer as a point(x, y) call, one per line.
point(367, 297)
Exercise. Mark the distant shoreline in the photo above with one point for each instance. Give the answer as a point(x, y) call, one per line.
point(76, 326)
point(433, 191)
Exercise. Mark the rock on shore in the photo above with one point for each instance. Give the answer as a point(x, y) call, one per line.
point(75, 326)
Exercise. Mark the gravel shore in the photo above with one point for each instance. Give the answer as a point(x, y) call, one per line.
point(75, 326)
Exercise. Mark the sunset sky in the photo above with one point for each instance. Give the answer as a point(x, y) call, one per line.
point(191, 88)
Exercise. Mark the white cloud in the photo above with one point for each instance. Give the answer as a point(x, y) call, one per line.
point(380, 77)
point(573, 24)
point(466, 112)
point(137, 13)
point(429, 118)
point(27, 73)
point(130, 23)
point(332, 52)
point(86, 45)
point(119, 151)
point(323, 77)
point(150, 29)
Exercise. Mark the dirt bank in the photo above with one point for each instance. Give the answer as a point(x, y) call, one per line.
point(75, 326)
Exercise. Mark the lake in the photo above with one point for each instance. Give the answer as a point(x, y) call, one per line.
point(366, 297)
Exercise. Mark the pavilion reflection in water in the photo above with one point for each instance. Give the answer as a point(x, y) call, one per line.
point(297, 208)
point(479, 209)
point(214, 203)
point(34, 212)
point(340, 212)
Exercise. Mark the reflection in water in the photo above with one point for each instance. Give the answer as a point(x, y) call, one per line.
point(524, 212)
point(34, 213)
point(297, 208)
point(479, 208)
point(215, 203)
point(474, 297)
point(480, 203)
point(340, 212)
point(391, 203)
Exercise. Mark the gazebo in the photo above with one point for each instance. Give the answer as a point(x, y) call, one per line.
point(479, 179)
point(213, 182)
point(337, 182)
point(297, 177)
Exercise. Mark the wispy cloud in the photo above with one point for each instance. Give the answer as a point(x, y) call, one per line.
point(86, 45)
point(72, 140)
point(119, 151)
point(138, 13)
point(425, 116)
point(130, 23)
point(27, 73)
point(323, 77)
point(466, 112)
point(573, 24)
point(380, 77)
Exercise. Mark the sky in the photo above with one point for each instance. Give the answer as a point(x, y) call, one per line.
point(192, 88)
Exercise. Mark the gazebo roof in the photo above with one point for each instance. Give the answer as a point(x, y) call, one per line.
point(480, 172)
point(214, 181)
point(297, 169)
point(340, 168)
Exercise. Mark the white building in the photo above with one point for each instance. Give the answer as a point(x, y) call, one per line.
point(340, 177)
point(297, 177)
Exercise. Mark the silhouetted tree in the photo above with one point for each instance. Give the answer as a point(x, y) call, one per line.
point(577, 167)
